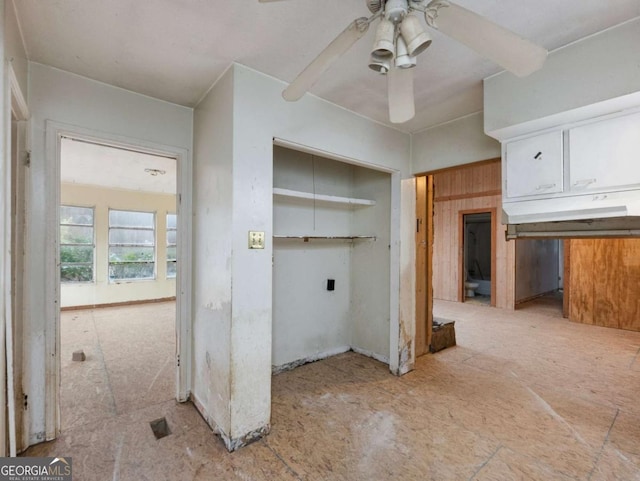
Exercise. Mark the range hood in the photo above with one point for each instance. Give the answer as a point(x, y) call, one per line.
point(613, 214)
point(575, 207)
point(618, 227)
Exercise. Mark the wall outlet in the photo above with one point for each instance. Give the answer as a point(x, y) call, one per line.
point(256, 240)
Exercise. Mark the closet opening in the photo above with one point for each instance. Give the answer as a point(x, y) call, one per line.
point(331, 259)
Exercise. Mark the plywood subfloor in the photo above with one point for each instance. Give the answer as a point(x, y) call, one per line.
point(523, 396)
point(547, 305)
point(129, 361)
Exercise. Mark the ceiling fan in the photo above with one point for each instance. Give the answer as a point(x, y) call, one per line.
point(400, 38)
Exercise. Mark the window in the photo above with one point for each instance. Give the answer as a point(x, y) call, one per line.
point(172, 226)
point(131, 245)
point(76, 244)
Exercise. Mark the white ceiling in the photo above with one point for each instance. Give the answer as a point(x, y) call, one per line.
point(98, 165)
point(175, 49)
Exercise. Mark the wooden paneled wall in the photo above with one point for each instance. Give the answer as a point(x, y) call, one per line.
point(468, 188)
point(604, 282)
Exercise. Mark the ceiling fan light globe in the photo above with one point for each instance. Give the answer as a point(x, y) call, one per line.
point(383, 43)
point(403, 59)
point(414, 35)
point(379, 64)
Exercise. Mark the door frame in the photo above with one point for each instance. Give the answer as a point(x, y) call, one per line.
point(424, 263)
point(461, 267)
point(55, 131)
point(14, 109)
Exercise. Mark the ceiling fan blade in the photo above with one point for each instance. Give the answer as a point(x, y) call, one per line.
point(338, 47)
point(401, 104)
point(512, 52)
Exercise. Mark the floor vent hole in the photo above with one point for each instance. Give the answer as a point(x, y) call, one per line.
point(160, 428)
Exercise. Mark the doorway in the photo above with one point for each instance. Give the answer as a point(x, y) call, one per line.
point(477, 252)
point(539, 276)
point(118, 324)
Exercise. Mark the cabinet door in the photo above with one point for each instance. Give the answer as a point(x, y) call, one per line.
point(605, 155)
point(534, 165)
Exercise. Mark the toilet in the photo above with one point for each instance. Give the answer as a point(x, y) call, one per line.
point(471, 288)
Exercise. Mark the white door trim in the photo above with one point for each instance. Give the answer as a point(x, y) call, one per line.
point(14, 104)
point(54, 132)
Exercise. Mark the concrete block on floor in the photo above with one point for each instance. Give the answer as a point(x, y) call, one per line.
point(78, 356)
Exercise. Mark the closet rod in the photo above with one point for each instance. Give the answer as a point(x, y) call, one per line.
point(306, 238)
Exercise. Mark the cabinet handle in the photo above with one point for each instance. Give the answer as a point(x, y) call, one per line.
point(545, 186)
point(584, 182)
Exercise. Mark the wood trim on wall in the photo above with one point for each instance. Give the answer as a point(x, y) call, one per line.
point(566, 284)
point(118, 304)
point(461, 167)
point(472, 195)
point(422, 282)
point(429, 261)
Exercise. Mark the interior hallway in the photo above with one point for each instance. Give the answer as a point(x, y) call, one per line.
point(524, 395)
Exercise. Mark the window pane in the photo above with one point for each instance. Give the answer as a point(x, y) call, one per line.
point(76, 273)
point(75, 254)
point(76, 215)
point(171, 237)
point(171, 254)
point(123, 218)
point(76, 235)
point(171, 269)
point(130, 236)
point(130, 254)
point(172, 221)
point(134, 270)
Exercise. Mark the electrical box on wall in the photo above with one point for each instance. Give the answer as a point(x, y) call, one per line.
point(256, 240)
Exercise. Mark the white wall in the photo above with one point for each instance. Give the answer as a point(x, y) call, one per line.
point(70, 99)
point(593, 70)
point(212, 250)
point(245, 311)
point(458, 142)
point(5, 224)
point(14, 49)
point(101, 291)
point(370, 266)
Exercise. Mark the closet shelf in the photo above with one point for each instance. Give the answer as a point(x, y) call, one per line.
point(307, 238)
point(350, 201)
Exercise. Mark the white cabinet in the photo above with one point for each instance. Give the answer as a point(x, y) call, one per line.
point(534, 166)
point(605, 155)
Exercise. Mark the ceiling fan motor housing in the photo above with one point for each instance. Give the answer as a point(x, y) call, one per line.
point(395, 10)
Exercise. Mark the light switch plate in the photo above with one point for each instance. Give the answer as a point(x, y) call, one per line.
point(256, 240)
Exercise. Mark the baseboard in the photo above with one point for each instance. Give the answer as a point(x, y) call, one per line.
point(373, 355)
point(531, 298)
point(325, 354)
point(118, 304)
point(232, 444)
point(288, 366)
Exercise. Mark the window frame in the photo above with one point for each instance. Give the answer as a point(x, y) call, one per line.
point(92, 244)
point(154, 261)
point(169, 245)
